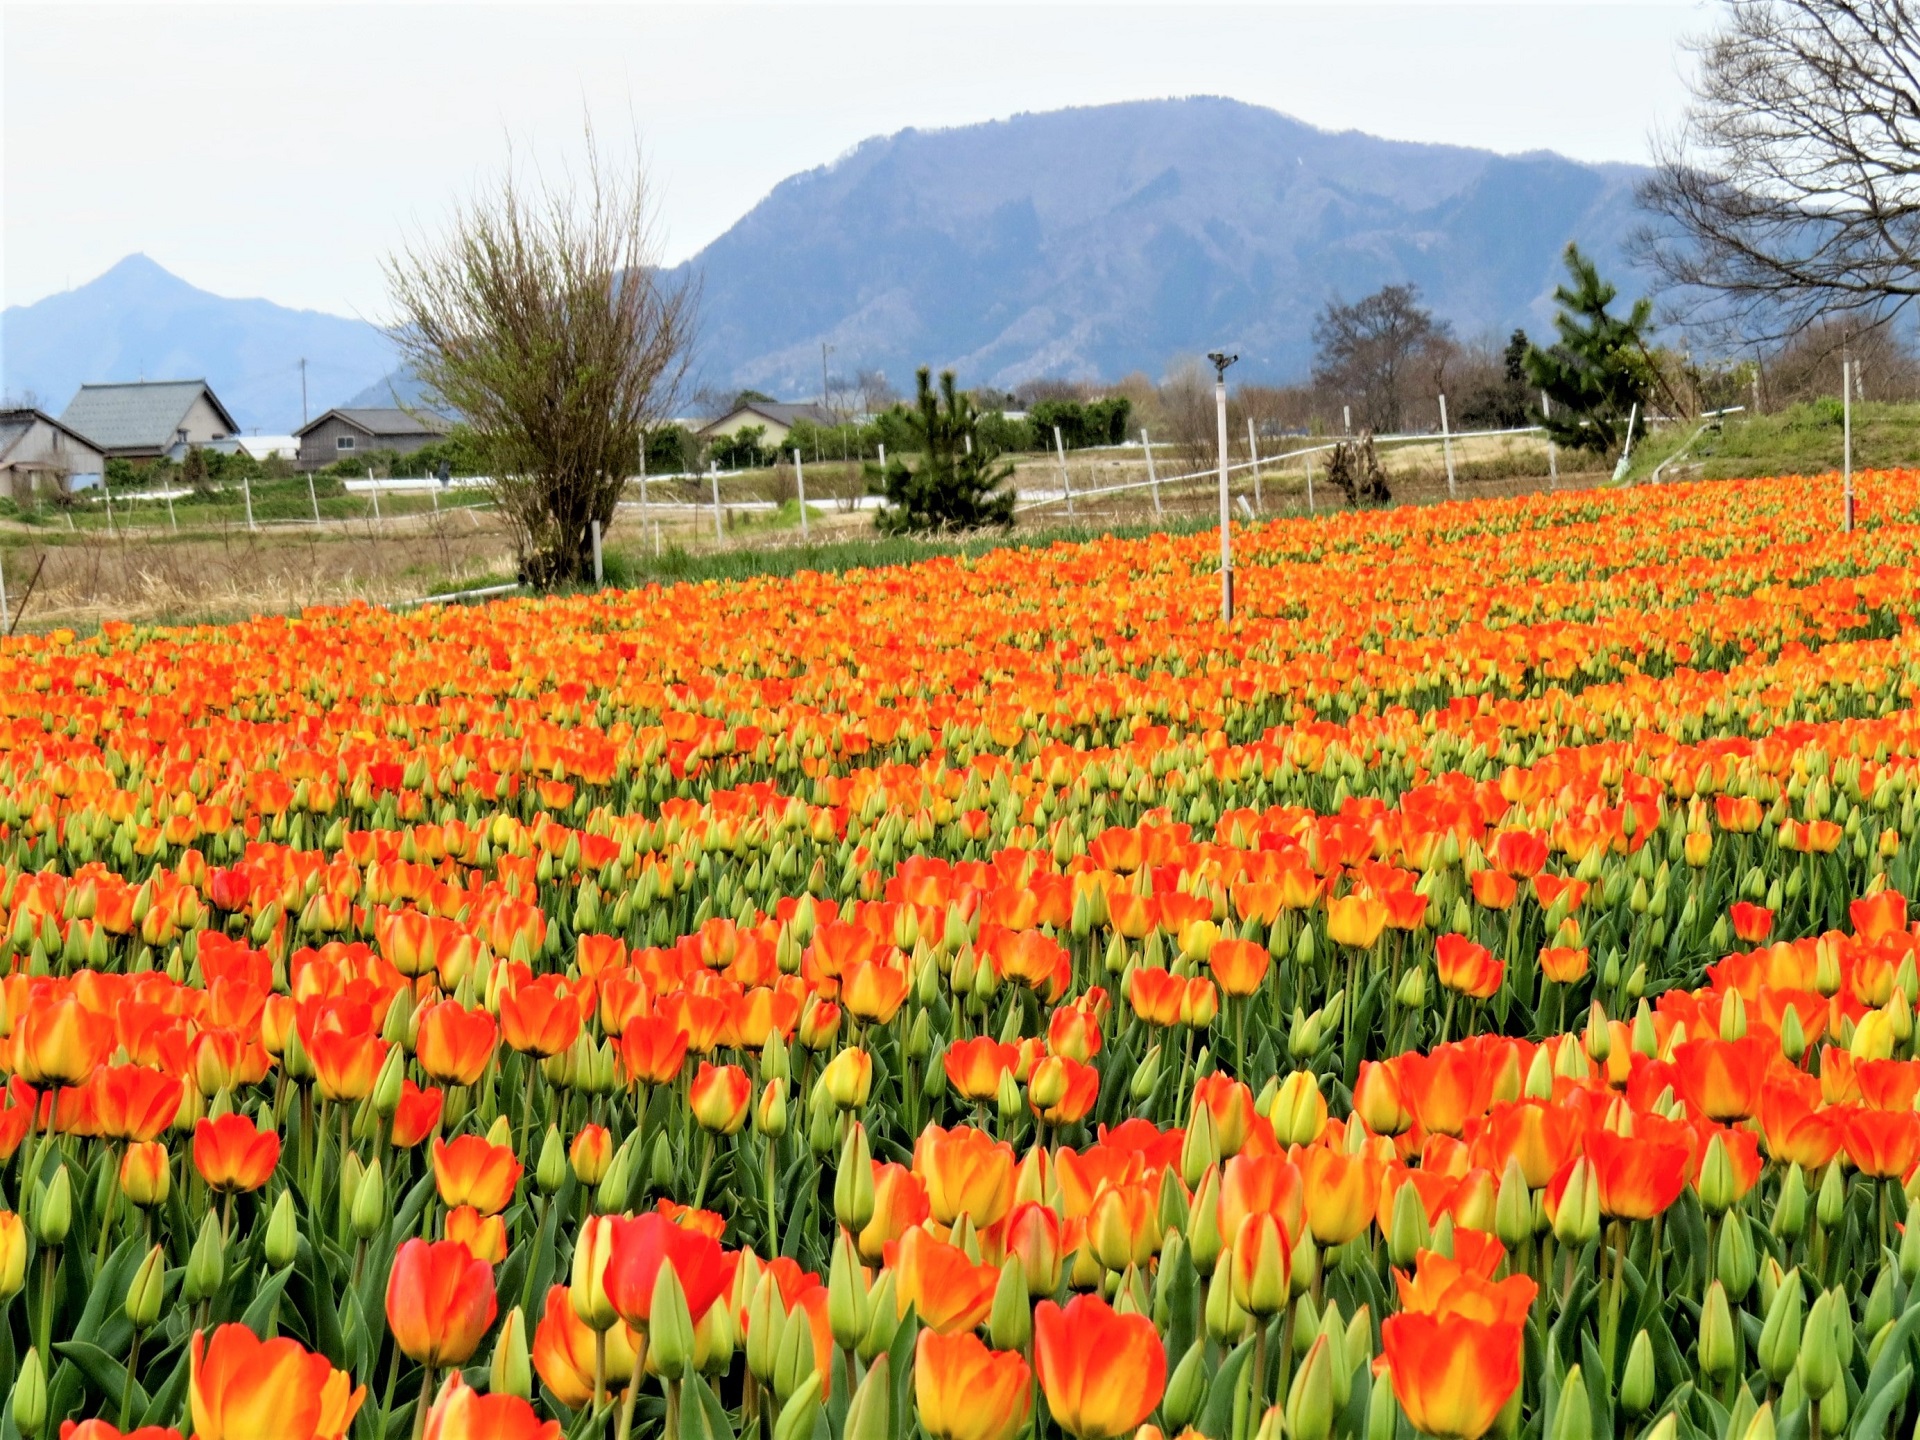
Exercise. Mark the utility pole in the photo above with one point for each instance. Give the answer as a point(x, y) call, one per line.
point(1846, 430)
point(303, 392)
point(825, 350)
point(1220, 363)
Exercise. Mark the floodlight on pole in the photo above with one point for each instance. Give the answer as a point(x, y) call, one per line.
point(1220, 363)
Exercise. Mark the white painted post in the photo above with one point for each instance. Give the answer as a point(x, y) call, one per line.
point(6, 621)
point(1309, 484)
point(246, 490)
point(172, 519)
point(1346, 419)
point(1553, 453)
point(1253, 451)
point(313, 499)
point(599, 571)
point(800, 484)
point(1446, 446)
point(375, 484)
point(643, 486)
point(1153, 479)
point(656, 539)
point(713, 475)
point(1846, 431)
point(1226, 535)
point(106, 491)
point(1066, 482)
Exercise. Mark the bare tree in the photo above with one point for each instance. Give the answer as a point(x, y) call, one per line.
point(1792, 188)
point(1371, 350)
point(540, 317)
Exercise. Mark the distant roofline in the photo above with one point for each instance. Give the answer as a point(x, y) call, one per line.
point(232, 424)
point(347, 413)
point(37, 413)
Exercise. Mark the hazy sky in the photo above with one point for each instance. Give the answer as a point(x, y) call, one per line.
point(281, 149)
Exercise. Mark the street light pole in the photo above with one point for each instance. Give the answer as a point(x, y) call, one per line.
point(825, 350)
point(1220, 363)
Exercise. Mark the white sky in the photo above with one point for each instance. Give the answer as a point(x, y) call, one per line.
point(281, 149)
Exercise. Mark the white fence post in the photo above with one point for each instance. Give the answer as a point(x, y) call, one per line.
point(713, 475)
point(1309, 484)
point(1253, 452)
point(1152, 479)
point(375, 484)
point(172, 519)
point(1446, 446)
point(1846, 430)
point(6, 621)
point(1066, 481)
point(599, 571)
point(1553, 452)
point(246, 490)
point(800, 484)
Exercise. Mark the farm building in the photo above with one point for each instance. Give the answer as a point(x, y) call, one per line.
point(776, 417)
point(342, 434)
point(148, 419)
point(40, 456)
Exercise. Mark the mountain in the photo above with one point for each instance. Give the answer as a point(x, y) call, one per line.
point(139, 321)
point(1096, 241)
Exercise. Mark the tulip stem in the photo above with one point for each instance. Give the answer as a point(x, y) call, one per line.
point(126, 1384)
point(706, 1165)
point(599, 1367)
point(773, 1202)
point(1258, 1407)
point(426, 1399)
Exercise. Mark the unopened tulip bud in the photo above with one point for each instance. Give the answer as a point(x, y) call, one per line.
point(795, 1363)
point(283, 1233)
point(1383, 1415)
point(386, 1086)
point(1573, 1415)
point(1310, 1397)
point(1790, 1209)
point(1578, 1219)
point(1146, 1074)
point(766, 1321)
point(801, 1413)
point(1262, 1270)
point(1226, 1321)
point(669, 1326)
point(660, 1167)
point(853, 1182)
point(147, 1290)
point(883, 1320)
point(1715, 1184)
point(869, 1414)
point(369, 1211)
point(1407, 1234)
point(206, 1262)
point(509, 1372)
point(30, 1394)
point(1817, 1361)
point(1010, 1322)
point(1203, 1222)
point(1780, 1334)
point(1718, 1348)
point(1735, 1261)
point(1637, 1381)
point(1201, 1148)
point(1411, 993)
point(587, 1293)
point(847, 1298)
point(1186, 1388)
point(1831, 1205)
point(53, 1209)
point(1513, 1205)
point(770, 1110)
point(146, 1176)
point(1299, 1110)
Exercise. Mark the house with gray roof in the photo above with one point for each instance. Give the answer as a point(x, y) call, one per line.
point(344, 434)
point(148, 419)
point(776, 417)
point(40, 456)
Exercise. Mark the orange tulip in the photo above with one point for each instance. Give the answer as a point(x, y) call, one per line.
point(131, 1102)
point(1231, 1105)
point(1062, 1091)
point(541, 1016)
point(1721, 1079)
point(950, 1292)
point(418, 1114)
point(454, 1043)
point(1124, 1226)
point(974, 1067)
point(1882, 1143)
point(145, 1173)
point(563, 1351)
point(966, 1172)
point(1262, 1185)
point(440, 1301)
point(1639, 1177)
point(641, 1246)
point(1239, 966)
point(1445, 1287)
point(1339, 1192)
point(1357, 920)
point(964, 1391)
point(873, 991)
point(1751, 923)
point(1451, 1375)
point(244, 1388)
point(105, 1430)
point(899, 1201)
point(1102, 1373)
point(590, 1154)
point(58, 1041)
point(461, 1413)
point(1564, 964)
point(345, 1065)
point(1377, 1099)
point(1157, 996)
point(470, 1171)
point(720, 1097)
point(1461, 965)
point(652, 1050)
point(1494, 889)
point(234, 1155)
point(484, 1235)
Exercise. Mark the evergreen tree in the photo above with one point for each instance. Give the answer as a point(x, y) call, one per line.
point(1599, 369)
point(956, 485)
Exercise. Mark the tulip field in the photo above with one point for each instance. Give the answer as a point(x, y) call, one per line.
point(1470, 994)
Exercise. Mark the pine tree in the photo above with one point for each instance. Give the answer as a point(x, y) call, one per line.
point(1599, 369)
point(956, 485)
